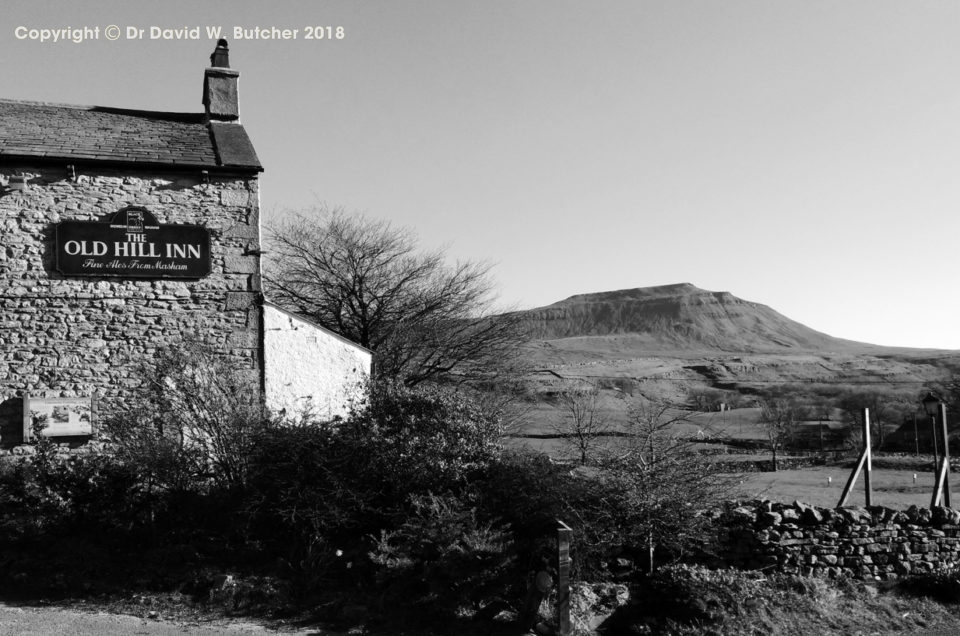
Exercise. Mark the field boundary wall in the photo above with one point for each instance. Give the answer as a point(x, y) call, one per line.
point(868, 543)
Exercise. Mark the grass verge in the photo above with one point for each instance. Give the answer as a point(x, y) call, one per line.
point(688, 601)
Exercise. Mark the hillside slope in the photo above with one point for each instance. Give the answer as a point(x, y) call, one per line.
point(672, 339)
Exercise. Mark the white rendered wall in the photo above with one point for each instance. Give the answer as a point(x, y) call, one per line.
point(308, 369)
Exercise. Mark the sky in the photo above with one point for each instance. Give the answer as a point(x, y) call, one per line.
point(797, 153)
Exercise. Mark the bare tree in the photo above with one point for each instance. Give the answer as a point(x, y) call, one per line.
point(582, 424)
point(708, 399)
point(368, 281)
point(887, 406)
point(665, 479)
point(780, 415)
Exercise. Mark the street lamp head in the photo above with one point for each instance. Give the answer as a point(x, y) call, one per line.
point(930, 403)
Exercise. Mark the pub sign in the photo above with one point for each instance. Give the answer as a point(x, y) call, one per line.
point(132, 244)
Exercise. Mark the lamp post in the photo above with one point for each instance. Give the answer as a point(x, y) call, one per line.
point(932, 404)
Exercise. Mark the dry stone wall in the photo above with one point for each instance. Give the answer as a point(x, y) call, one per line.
point(72, 336)
point(869, 543)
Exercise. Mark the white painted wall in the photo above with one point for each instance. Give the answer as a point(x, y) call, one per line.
point(309, 369)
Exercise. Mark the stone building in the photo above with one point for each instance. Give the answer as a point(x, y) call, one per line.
point(124, 231)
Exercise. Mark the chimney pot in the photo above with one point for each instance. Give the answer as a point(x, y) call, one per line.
point(220, 57)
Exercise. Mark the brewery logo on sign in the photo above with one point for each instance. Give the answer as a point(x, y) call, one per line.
point(132, 244)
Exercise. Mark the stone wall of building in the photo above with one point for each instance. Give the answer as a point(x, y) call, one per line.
point(869, 543)
point(308, 370)
point(78, 336)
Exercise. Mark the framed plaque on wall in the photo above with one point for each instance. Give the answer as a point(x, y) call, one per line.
point(62, 417)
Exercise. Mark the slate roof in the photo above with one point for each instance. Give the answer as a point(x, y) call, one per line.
point(88, 134)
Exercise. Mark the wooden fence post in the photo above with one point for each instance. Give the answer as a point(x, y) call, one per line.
point(946, 455)
point(941, 488)
point(564, 536)
point(863, 461)
point(868, 475)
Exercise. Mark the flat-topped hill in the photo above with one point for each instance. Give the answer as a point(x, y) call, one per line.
point(679, 316)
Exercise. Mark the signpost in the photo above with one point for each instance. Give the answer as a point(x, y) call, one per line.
point(132, 244)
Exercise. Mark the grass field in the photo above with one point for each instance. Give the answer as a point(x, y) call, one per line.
point(893, 484)
point(891, 488)
point(743, 423)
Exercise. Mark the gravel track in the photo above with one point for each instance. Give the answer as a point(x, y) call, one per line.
point(23, 620)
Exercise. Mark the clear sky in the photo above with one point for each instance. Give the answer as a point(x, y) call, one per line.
point(798, 153)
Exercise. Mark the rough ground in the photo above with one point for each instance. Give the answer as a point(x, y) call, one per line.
point(24, 620)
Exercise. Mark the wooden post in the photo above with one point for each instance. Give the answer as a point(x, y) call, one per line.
point(946, 455)
point(564, 536)
point(852, 479)
point(863, 461)
point(941, 489)
point(867, 477)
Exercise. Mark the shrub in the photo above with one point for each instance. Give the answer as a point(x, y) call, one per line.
point(695, 594)
point(307, 486)
point(442, 556)
point(942, 584)
point(315, 489)
point(48, 491)
point(426, 439)
point(75, 494)
point(604, 506)
point(192, 426)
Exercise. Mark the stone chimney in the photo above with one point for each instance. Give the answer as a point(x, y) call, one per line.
point(220, 86)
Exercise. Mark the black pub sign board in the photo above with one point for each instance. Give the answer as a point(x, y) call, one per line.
point(132, 244)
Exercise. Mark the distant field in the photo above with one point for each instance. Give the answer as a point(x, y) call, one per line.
point(735, 424)
point(891, 488)
point(743, 423)
point(893, 483)
point(545, 417)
